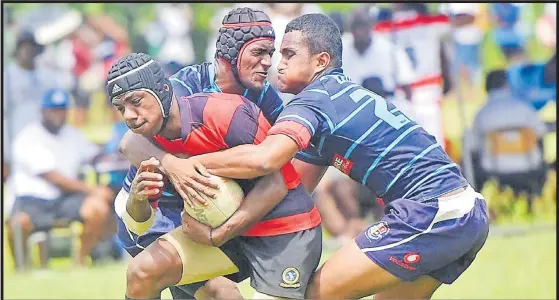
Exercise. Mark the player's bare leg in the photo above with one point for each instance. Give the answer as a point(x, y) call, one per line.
point(361, 277)
point(94, 213)
point(160, 266)
point(422, 288)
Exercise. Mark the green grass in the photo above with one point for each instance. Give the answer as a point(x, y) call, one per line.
point(514, 267)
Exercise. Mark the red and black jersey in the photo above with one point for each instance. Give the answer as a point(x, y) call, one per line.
point(217, 121)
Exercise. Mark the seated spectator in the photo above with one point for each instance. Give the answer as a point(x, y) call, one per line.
point(47, 158)
point(507, 139)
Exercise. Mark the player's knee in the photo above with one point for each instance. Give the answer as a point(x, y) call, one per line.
point(220, 288)
point(140, 276)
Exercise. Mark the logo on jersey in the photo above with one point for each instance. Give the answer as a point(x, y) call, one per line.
point(377, 230)
point(290, 278)
point(341, 163)
point(116, 89)
point(412, 258)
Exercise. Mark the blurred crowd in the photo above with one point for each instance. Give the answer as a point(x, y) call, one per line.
point(57, 56)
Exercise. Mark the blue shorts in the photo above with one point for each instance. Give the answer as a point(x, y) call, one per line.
point(438, 237)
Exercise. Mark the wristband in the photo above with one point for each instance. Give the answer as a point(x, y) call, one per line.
point(136, 227)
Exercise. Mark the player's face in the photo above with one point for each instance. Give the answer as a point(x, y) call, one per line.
point(256, 60)
point(297, 66)
point(141, 112)
point(55, 118)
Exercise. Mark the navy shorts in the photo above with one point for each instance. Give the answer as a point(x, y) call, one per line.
point(438, 237)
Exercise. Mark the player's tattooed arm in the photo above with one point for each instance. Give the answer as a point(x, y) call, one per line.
point(270, 188)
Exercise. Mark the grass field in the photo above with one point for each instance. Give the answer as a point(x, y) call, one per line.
point(508, 267)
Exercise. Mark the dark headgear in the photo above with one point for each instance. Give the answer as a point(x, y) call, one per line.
point(138, 71)
point(239, 28)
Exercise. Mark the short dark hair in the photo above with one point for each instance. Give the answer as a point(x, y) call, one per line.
point(322, 35)
point(495, 80)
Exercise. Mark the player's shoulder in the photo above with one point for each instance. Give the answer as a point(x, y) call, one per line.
point(192, 79)
point(327, 87)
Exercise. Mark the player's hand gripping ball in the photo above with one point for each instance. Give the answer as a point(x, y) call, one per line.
point(227, 200)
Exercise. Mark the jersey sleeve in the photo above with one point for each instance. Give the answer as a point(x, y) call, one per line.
point(270, 103)
point(186, 81)
point(308, 114)
point(310, 155)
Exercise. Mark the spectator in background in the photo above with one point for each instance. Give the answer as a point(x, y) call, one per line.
point(508, 32)
point(24, 83)
point(47, 158)
point(422, 36)
point(368, 56)
point(169, 36)
point(507, 139)
point(98, 43)
point(467, 38)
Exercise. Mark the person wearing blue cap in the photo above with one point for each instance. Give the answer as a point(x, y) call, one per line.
point(47, 155)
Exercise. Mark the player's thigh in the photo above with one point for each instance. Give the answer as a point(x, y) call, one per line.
point(349, 273)
point(421, 288)
point(198, 262)
point(281, 266)
point(159, 261)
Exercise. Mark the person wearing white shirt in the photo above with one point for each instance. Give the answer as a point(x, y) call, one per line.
point(47, 157)
point(366, 56)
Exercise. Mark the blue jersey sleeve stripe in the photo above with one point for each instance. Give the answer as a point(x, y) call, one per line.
point(328, 120)
point(299, 118)
point(277, 110)
point(408, 165)
point(437, 171)
point(345, 90)
point(318, 91)
point(264, 90)
point(362, 137)
point(394, 143)
point(183, 84)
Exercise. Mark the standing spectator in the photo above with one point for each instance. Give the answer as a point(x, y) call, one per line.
point(368, 56)
point(422, 36)
point(507, 139)
point(170, 36)
point(23, 85)
point(508, 32)
point(47, 158)
point(467, 37)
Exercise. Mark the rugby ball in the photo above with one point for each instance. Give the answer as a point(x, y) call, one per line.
point(227, 201)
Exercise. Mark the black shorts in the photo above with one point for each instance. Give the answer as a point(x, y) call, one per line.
point(279, 265)
point(43, 213)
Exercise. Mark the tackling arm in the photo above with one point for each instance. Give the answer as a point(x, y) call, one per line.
point(249, 161)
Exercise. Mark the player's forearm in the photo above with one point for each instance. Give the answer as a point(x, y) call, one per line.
point(268, 192)
point(139, 210)
point(241, 162)
point(137, 148)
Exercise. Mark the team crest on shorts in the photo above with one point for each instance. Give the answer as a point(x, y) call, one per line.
point(377, 230)
point(290, 278)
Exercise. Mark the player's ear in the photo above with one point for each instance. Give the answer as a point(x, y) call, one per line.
point(322, 61)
